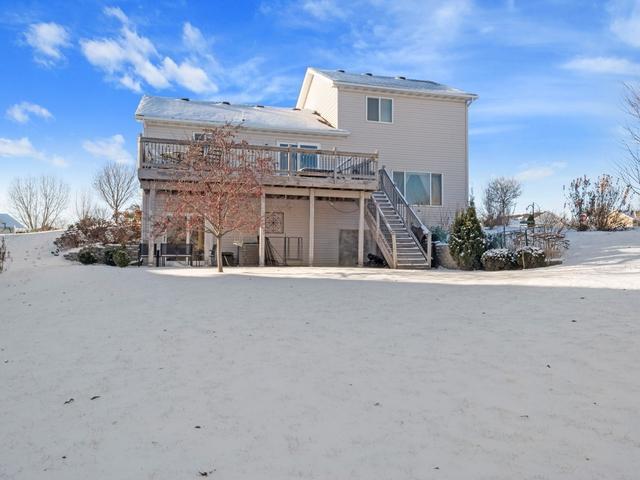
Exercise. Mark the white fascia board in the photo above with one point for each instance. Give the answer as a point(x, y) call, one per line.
point(297, 131)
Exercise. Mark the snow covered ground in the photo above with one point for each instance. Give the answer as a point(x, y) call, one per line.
point(175, 373)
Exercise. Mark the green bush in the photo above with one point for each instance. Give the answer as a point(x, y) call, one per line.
point(87, 256)
point(467, 241)
point(108, 255)
point(498, 259)
point(121, 258)
point(530, 257)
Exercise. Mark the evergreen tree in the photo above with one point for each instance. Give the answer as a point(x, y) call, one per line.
point(467, 241)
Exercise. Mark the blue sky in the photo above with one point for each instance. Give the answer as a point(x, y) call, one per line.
point(549, 74)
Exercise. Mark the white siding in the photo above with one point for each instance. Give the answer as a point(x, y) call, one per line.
point(427, 135)
point(323, 98)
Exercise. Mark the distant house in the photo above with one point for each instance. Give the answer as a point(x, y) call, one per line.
point(8, 224)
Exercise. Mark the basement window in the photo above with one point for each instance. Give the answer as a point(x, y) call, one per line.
point(379, 109)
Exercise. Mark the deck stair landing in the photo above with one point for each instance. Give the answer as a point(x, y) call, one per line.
point(394, 224)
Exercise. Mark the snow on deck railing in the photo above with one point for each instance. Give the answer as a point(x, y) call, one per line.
point(291, 161)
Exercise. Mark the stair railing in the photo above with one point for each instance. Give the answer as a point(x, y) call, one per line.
point(384, 235)
point(411, 221)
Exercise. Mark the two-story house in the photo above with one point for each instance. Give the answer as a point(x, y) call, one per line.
point(362, 164)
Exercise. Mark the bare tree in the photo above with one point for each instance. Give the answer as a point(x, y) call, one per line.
point(500, 196)
point(116, 184)
point(629, 169)
point(39, 202)
point(84, 205)
point(217, 186)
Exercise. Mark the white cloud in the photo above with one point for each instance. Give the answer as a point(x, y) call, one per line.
point(540, 172)
point(116, 12)
point(323, 9)
point(191, 77)
point(493, 129)
point(603, 65)
point(192, 37)
point(47, 40)
point(23, 148)
point(111, 148)
point(21, 112)
point(625, 21)
point(131, 59)
point(58, 161)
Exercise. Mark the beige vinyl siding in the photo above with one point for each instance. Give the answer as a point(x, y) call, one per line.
point(184, 132)
point(427, 135)
point(331, 216)
point(323, 98)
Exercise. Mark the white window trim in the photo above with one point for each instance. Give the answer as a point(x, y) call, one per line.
point(405, 172)
point(366, 112)
point(282, 143)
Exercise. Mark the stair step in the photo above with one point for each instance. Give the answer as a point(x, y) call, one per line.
point(409, 254)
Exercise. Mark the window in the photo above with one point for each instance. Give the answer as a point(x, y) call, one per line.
point(436, 189)
point(304, 161)
point(201, 137)
point(379, 109)
point(419, 188)
point(398, 179)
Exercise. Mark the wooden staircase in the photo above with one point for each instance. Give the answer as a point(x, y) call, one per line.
point(396, 228)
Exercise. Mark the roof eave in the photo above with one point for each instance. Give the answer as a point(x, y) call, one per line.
point(299, 131)
point(461, 95)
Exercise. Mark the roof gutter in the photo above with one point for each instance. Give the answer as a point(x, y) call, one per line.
point(420, 93)
point(299, 131)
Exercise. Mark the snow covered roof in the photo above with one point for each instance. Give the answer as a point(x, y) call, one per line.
point(7, 221)
point(399, 83)
point(249, 116)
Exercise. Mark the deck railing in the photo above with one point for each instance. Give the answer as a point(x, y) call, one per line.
point(155, 153)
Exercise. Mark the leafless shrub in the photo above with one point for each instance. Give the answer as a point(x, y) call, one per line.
point(598, 204)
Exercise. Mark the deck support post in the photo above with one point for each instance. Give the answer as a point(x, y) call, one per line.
point(312, 224)
point(151, 205)
point(188, 227)
point(361, 231)
point(261, 232)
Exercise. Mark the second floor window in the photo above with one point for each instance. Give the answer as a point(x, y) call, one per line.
point(379, 109)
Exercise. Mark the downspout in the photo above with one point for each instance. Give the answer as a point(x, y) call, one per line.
point(466, 147)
